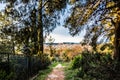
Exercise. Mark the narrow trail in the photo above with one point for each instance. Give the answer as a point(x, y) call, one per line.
point(57, 73)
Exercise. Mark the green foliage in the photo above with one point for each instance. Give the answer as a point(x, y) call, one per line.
point(5, 76)
point(96, 17)
point(36, 64)
point(6, 72)
point(43, 73)
point(95, 66)
point(27, 23)
point(18, 68)
point(45, 61)
point(4, 66)
point(77, 61)
point(5, 47)
point(71, 74)
point(55, 5)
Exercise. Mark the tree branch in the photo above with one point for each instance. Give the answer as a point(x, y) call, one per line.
point(45, 3)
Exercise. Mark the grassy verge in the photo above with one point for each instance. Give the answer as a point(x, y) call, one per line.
point(66, 64)
point(69, 73)
point(90, 66)
point(43, 73)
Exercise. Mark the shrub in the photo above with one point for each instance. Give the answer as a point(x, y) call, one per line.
point(23, 70)
point(95, 66)
point(77, 61)
point(7, 76)
point(6, 72)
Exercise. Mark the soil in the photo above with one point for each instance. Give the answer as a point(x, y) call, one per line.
point(57, 73)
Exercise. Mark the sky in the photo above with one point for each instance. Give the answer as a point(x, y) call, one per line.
point(60, 34)
point(2, 6)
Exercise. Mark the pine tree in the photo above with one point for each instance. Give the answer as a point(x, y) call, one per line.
point(98, 13)
point(34, 18)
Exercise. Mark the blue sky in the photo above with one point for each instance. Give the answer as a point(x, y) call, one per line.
point(60, 34)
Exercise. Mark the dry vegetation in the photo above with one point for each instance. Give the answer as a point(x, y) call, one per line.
point(66, 52)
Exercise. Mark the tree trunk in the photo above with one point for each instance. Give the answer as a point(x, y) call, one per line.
point(117, 41)
point(40, 28)
point(13, 47)
point(34, 32)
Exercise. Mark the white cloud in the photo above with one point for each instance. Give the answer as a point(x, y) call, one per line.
point(64, 38)
point(61, 34)
point(61, 31)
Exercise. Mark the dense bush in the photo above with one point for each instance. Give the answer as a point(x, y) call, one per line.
point(7, 76)
point(95, 66)
point(6, 72)
point(40, 62)
point(22, 67)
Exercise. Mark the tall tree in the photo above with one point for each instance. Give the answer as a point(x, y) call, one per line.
point(35, 17)
point(49, 9)
point(95, 13)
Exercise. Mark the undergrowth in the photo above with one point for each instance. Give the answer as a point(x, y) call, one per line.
point(43, 73)
point(93, 66)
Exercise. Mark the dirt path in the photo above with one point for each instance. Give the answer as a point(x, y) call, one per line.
point(57, 73)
